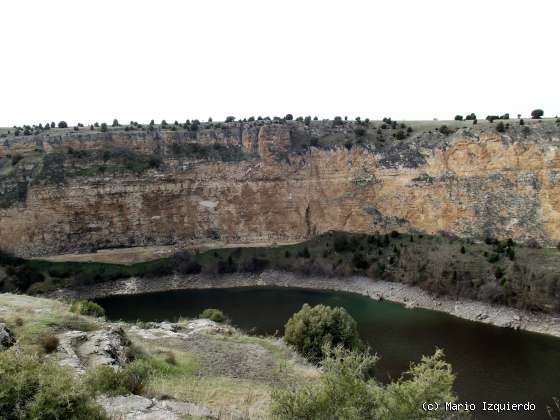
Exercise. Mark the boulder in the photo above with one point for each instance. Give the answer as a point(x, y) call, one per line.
point(80, 350)
point(104, 347)
point(7, 339)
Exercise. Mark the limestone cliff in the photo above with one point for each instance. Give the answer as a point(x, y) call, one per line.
point(274, 181)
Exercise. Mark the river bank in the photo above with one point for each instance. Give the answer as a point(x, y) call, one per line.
point(409, 296)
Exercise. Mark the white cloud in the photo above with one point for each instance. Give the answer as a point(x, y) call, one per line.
point(98, 60)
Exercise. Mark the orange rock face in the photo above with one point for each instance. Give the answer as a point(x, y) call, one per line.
point(472, 185)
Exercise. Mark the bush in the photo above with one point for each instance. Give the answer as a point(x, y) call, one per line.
point(255, 265)
point(346, 390)
point(310, 329)
point(360, 262)
point(62, 124)
point(500, 127)
point(213, 315)
point(341, 244)
point(185, 264)
point(537, 114)
point(510, 253)
point(48, 342)
point(87, 307)
point(31, 389)
point(27, 276)
point(360, 132)
point(459, 117)
point(130, 379)
point(104, 127)
point(304, 253)
point(400, 135)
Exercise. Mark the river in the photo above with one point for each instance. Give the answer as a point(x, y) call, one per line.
point(491, 363)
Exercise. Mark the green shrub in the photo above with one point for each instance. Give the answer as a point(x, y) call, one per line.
point(360, 132)
point(510, 253)
point(304, 253)
point(400, 135)
point(130, 379)
point(184, 263)
point(341, 244)
point(500, 127)
point(360, 262)
point(310, 329)
point(255, 265)
point(346, 390)
point(537, 114)
point(499, 272)
point(213, 315)
point(87, 307)
point(26, 276)
point(31, 389)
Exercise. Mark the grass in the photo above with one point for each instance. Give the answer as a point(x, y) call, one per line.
point(250, 399)
point(191, 379)
point(163, 366)
point(32, 318)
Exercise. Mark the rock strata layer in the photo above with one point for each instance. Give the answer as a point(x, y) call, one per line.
point(474, 183)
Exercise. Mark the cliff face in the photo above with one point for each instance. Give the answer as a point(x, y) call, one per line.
point(474, 183)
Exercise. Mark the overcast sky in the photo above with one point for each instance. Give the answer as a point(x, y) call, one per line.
point(86, 61)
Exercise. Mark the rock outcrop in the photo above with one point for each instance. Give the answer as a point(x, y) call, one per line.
point(141, 408)
point(80, 350)
point(7, 339)
point(473, 183)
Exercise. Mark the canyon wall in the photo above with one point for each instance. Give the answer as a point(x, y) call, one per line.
point(475, 183)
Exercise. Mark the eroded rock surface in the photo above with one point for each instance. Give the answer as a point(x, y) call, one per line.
point(135, 407)
point(80, 350)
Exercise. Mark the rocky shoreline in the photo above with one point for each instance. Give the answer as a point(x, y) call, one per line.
point(410, 296)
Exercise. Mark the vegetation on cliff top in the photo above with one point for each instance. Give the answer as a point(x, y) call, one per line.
point(56, 155)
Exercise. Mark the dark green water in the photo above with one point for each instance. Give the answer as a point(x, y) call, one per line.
point(492, 364)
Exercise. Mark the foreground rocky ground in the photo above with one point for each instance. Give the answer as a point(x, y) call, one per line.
point(207, 370)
